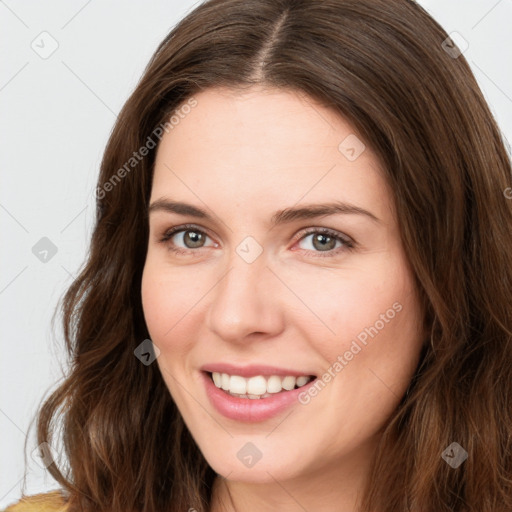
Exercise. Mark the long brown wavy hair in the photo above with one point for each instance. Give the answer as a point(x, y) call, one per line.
point(386, 67)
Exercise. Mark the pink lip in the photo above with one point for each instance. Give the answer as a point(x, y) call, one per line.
point(252, 370)
point(247, 409)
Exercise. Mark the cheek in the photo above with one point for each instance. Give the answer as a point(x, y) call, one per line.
point(345, 301)
point(167, 303)
point(163, 301)
point(172, 301)
point(369, 313)
point(155, 302)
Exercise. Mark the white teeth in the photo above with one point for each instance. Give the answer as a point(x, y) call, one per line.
point(274, 384)
point(257, 387)
point(217, 379)
point(237, 384)
point(302, 380)
point(224, 381)
point(289, 383)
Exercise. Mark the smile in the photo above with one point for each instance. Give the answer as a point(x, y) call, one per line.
point(253, 398)
point(258, 386)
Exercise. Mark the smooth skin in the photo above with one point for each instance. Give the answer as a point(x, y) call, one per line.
point(241, 157)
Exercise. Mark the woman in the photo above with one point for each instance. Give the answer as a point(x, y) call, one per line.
point(298, 290)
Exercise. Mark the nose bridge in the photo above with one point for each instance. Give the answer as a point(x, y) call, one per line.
point(242, 303)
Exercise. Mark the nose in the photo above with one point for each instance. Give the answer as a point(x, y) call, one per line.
point(246, 301)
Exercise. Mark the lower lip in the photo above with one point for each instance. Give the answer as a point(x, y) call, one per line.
point(248, 409)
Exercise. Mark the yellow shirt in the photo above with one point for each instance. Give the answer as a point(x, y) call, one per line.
point(47, 502)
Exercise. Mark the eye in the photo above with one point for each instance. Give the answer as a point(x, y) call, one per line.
point(189, 236)
point(324, 240)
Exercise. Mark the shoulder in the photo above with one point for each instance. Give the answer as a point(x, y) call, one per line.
point(47, 502)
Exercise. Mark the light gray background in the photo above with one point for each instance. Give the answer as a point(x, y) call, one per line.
point(56, 115)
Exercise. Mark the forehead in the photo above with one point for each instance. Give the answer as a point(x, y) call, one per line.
point(266, 146)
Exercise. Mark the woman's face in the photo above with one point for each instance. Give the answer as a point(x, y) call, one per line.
point(250, 286)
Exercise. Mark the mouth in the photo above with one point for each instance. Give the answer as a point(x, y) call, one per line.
point(256, 392)
point(258, 387)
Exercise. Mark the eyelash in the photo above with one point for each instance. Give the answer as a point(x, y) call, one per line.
point(348, 244)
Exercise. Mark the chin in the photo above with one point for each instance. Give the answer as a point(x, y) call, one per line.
point(266, 469)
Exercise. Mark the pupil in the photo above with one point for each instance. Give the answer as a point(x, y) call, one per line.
point(194, 237)
point(321, 240)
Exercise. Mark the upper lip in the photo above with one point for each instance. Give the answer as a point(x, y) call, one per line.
point(253, 370)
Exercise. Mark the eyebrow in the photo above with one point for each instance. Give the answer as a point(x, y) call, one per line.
point(309, 211)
